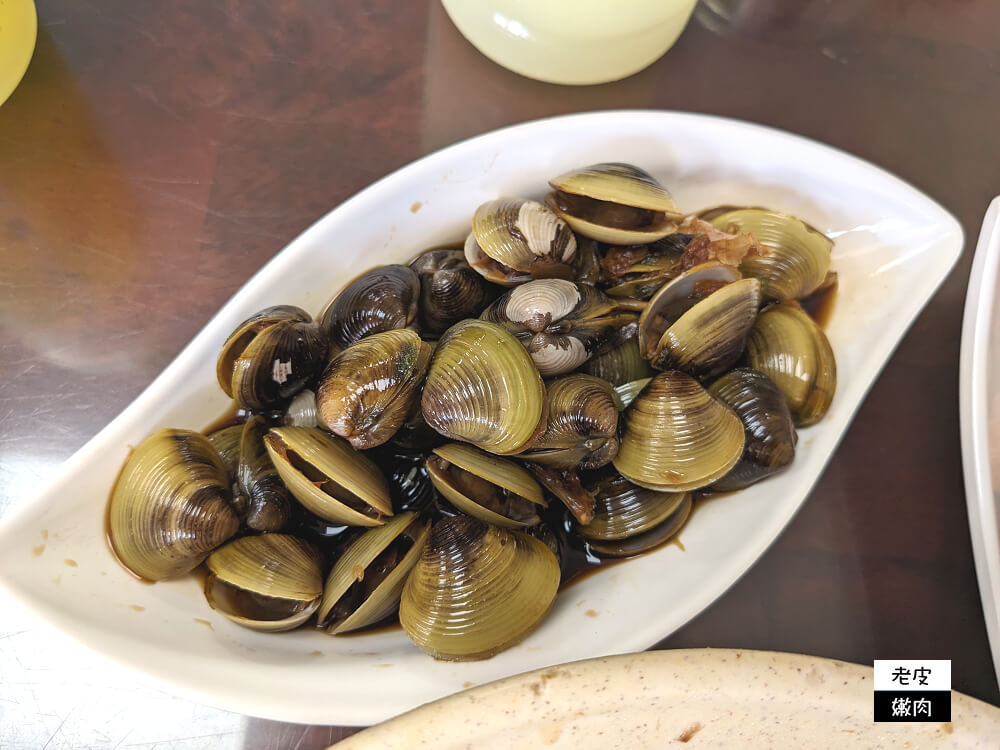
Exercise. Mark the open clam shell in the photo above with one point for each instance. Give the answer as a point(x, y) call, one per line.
point(329, 477)
point(526, 236)
point(171, 505)
point(616, 203)
point(582, 426)
point(623, 509)
point(271, 582)
point(677, 437)
point(770, 432)
point(382, 299)
point(365, 584)
point(786, 345)
point(490, 488)
point(699, 322)
point(798, 256)
point(367, 391)
point(562, 323)
point(482, 388)
point(649, 539)
point(506, 577)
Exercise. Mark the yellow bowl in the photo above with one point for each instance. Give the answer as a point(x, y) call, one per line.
point(18, 28)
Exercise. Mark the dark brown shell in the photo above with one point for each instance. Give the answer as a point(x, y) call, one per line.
point(770, 432)
point(450, 290)
point(382, 299)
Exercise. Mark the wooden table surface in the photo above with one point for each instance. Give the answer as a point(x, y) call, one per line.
point(157, 154)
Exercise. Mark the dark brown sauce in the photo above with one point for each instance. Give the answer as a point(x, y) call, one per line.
point(819, 305)
point(389, 625)
point(232, 416)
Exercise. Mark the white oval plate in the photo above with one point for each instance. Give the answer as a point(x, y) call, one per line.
point(979, 416)
point(708, 697)
point(894, 246)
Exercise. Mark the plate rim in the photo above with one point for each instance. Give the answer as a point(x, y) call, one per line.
point(980, 303)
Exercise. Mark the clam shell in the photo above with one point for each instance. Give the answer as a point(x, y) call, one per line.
point(506, 577)
point(494, 472)
point(608, 185)
point(368, 390)
point(382, 299)
point(799, 256)
point(482, 388)
point(526, 236)
point(617, 182)
point(623, 509)
point(245, 332)
point(561, 323)
point(269, 504)
point(770, 433)
point(270, 357)
point(786, 345)
point(647, 540)
point(271, 582)
point(677, 437)
point(490, 269)
point(355, 564)
point(582, 425)
point(227, 444)
point(329, 477)
point(450, 290)
point(620, 365)
point(171, 505)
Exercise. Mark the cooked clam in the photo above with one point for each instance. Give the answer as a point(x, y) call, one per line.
point(270, 356)
point(487, 487)
point(615, 203)
point(798, 256)
point(582, 426)
point(450, 290)
point(271, 582)
point(329, 477)
point(171, 505)
point(562, 323)
point(786, 345)
point(629, 519)
point(382, 299)
point(366, 582)
point(367, 391)
point(565, 484)
point(677, 437)
point(627, 392)
point(268, 502)
point(699, 322)
point(524, 236)
point(482, 388)
point(637, 271)
point(620, 365)
point(227, 444)
point(301, 412)
point(770, 434)
point(477, 589)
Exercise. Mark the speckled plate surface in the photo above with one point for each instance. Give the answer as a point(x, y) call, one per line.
point(717, 698)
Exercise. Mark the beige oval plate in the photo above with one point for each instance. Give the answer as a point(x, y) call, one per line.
point(697, 697)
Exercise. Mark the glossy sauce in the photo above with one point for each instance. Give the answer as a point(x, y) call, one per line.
point(819, 305)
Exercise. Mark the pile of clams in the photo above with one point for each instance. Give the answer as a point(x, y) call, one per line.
point(450, 438)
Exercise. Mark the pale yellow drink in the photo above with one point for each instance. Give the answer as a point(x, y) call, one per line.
point(571, 41)
point(18, 27)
